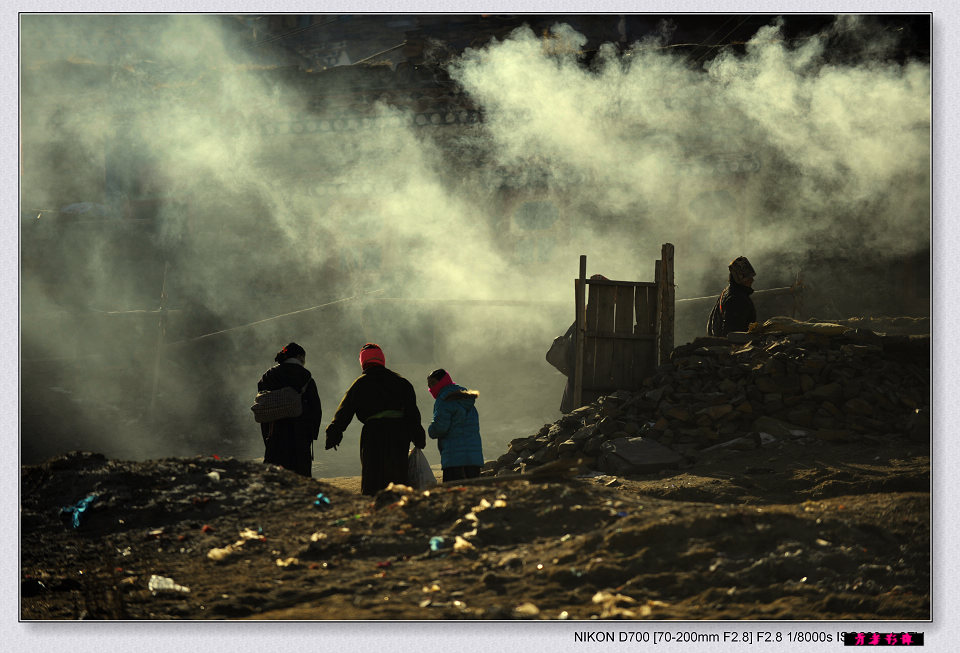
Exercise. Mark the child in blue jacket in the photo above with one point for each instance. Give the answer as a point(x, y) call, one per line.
point(455, 427)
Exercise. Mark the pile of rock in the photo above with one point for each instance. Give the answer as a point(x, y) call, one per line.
point(785, 379)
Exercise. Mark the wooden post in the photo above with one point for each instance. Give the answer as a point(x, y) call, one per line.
point(581, 330)
point(162, 324)
point(797, 291)
point(665, 305)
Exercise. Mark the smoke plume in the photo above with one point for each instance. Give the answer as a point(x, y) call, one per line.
point(450, 246)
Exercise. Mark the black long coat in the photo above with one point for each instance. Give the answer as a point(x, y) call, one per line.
point(733, 311)
point(386, 404)
point(287, 441)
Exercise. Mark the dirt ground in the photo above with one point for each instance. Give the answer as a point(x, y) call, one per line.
point(821, 531)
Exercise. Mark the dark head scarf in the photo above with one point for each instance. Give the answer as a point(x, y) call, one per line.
point(293, 350)
point(740, 270)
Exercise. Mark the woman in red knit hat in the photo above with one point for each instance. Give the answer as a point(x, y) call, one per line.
point(386, 404)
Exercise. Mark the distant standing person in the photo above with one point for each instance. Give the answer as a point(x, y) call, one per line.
point(287, 442)
point(734, 310)
point(386, 404)
point(455, 427)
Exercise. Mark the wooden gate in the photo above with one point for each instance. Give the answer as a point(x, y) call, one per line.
point(624, 329)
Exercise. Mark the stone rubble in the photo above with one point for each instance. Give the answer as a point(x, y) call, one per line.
point(807, 381)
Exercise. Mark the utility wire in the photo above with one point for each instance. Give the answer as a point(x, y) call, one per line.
point(728, 34)
point(709, 36)
point(275, 317)
point(379, 53)
point(299, 30)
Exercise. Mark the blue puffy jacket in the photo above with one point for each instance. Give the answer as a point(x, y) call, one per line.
point(456, 427)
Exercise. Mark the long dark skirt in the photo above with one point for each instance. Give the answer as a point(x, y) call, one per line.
point(461, 472)
point(285, 447)
point(383, 455)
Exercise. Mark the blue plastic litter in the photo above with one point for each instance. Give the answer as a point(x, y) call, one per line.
point(322, 501)
point(78, 509)
point(436, 543)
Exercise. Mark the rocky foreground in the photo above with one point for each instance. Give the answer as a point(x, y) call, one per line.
point(766, 490)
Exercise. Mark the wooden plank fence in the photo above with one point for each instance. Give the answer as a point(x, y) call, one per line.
point(624, 329)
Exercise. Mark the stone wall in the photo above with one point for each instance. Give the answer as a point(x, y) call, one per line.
point(785, 379)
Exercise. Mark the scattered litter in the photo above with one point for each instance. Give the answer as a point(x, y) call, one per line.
point(590, 474)
point(600, 597)
point(611, 606)
point(322, 501)
point(221, 553)
point(526, 610)
point(72, 513)
point(460, 545)
point(207, 528)
point(158, 584)
point(288, 562)
point(436, 543)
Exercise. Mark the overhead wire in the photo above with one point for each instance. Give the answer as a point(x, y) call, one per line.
point(294, 32)
point(275, 317)
point(724, 38)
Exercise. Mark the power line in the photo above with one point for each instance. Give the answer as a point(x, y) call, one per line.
point(275, 317)
point(299, 30)
point(707, 51)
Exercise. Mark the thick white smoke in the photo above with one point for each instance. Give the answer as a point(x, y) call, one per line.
point(838, 147)
point(265, 210)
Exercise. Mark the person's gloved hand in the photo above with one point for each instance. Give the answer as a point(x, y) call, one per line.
point(420, 441)
point(333, 440)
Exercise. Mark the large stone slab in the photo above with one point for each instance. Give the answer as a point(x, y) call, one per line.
point(637, 455)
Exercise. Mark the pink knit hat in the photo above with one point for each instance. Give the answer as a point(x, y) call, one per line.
point(444, 381)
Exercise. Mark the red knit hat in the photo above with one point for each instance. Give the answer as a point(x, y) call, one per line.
point(371, 354)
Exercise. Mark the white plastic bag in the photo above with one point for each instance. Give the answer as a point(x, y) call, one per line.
point(419, 474)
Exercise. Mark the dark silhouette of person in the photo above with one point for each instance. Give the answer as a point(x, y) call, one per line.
point(734, 310)
point(386, 404)
point(287, 442)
